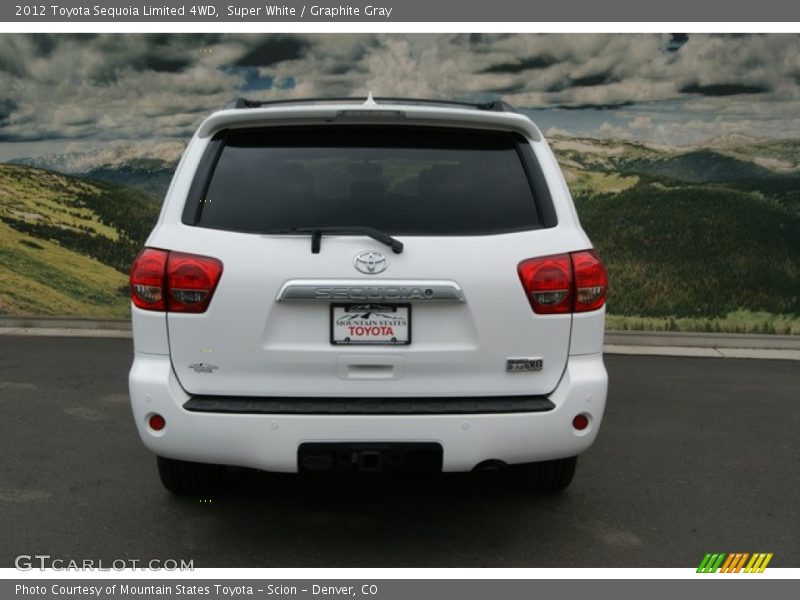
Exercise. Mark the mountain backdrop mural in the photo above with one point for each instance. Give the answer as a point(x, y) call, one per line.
point(682, 152)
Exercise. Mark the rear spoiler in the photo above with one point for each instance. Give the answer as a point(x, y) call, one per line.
point(248, 113)
point(494, 105)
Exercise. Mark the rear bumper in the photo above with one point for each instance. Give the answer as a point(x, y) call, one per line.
point(271, 441)
point(368, 405)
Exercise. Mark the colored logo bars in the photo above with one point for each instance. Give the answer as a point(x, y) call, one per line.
point(734, 563)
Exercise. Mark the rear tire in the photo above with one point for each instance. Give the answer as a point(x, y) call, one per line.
point(189, 478)
point(546, 476)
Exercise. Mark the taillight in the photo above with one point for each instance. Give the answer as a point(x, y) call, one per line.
point(548, 283)
point(174, 281)
point(591, 281)
point(191, 281)
point(564, 283)
point(147, 279)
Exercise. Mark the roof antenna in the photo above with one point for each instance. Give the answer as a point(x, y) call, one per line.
point(370, 101)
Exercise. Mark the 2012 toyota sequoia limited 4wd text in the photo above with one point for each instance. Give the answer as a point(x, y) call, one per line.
point(367, 285)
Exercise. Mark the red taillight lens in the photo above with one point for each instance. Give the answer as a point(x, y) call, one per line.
point(564, 283)
point(191, 281)
point(173, 281)
point(548, 283)
point(147, 279)
point(591, 281)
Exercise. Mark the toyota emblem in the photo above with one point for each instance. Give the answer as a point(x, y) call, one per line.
point(371, 263)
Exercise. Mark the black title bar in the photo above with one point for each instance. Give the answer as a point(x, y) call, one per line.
point(243, 11)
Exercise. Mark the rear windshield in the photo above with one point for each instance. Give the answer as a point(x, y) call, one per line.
point(398, 180)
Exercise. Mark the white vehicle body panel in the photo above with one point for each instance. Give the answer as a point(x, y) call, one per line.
point(270, 442)
point(259, 346)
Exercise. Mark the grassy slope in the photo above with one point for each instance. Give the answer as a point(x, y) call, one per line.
point(739, 321)
point(37, 195)
point(583, 183)
point(66, 243)
point(51, 280)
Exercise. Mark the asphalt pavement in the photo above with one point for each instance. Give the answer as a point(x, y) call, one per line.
point(695, 455)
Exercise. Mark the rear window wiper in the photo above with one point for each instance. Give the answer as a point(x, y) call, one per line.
point(317, 232)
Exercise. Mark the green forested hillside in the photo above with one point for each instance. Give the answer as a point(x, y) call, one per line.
point(700, 166)
point(67, 243)
point(695, 250)
point(704, 238)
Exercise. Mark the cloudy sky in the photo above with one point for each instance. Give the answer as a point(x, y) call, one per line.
point(72, 92)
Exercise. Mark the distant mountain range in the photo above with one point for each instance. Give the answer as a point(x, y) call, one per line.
point(774, 156)
point(602, 165)
point(147, 167)
point(593, 166)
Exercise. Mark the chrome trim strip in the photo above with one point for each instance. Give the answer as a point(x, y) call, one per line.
point(380, 290)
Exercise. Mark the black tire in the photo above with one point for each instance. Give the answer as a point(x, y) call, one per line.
point(547, 476)
point(189, 478)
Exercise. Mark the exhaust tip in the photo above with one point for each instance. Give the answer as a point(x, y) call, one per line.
point(490, 466)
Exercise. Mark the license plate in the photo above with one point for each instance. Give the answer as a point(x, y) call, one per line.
point(377, 324)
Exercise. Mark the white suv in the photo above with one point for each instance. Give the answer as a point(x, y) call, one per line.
point(367, 285)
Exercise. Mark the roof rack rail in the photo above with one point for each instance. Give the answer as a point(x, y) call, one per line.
point(242, 103)
point(495, 105)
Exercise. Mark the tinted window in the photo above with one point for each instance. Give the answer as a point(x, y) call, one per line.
point(399, 180)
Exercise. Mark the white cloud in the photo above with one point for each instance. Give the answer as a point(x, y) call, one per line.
point(129, 86)
point(642, 122)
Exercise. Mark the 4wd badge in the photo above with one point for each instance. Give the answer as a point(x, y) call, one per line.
point(524, 364)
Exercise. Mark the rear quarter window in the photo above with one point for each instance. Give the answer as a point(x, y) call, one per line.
point(412, 181)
